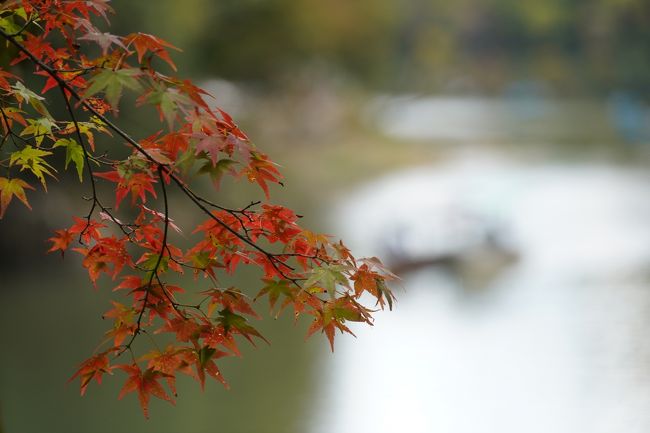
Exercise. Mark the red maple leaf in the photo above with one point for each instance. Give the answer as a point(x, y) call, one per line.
point(92, 368)
point(145, 384)
point(61, 240)
point(144, 42)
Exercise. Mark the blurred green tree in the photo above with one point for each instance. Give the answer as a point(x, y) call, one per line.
point(413, 45)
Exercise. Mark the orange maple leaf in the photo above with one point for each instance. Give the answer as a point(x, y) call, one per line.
point(145, 383)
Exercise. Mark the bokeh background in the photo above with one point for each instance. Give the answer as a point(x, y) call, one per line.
point(494, 153)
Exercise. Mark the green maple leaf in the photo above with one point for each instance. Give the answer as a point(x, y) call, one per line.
point(38, 128)
point(9, 25)
point(205, 354)
point(232, 322)
point(31, 159)
point(149, 261)
point(274, 289)
point(167, 99)
point(111, 83)
point(73, 153)
point(216, 171)
point(328, 276)
point(87, 129)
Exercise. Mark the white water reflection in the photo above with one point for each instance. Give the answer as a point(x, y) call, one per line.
point(554, 343)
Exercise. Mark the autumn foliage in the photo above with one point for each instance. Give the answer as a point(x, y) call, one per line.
point(131, 237)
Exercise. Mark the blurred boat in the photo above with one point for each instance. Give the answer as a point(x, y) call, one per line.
point(476, 262)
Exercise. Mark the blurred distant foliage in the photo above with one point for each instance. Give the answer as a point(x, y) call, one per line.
point(579, 47)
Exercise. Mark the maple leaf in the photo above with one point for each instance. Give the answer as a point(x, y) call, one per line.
point(204, 363)
point(261, 170)
point(71, 78)
point(210, 145)
point(274, 289)
point(98, 7)
point(173, 143)
point(87, 229)
point(37, 46)
point(124, 324)
point(73, 153)
point(217, 170)
point(152, 261)
point(367, 279)
point(132, 282)
point(231, 126)
point(186, 329)
point(107, 251)
point(61, 241)
point(39, 129)
point(234, 323)
point(104, 40)
point(86, 128)
point(4, 79)
point(170, 361)
point(232, 299)
point(145, 384)
point(111, 83)
point(161, 217)
point(329, 276)
point(279, 223)
point(93, 368)
point(9, 115)
point(10, 188)
point(99, 105)
point(307, 251)
point(203, 261)
point(22, 93)
point(334, 315)
point(9, 25)
point(144, 42)
point(327, 325)
point(168, 100)
point(138, 184)
point(346, 308)
point(195, 93)
point(31, 159)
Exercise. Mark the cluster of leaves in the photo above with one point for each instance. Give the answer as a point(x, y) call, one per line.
point(301, 269)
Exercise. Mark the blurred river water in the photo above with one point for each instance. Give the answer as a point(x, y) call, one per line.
point(526, 305)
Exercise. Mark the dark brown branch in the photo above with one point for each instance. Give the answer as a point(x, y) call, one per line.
point(95, 199)
point(154, 271)
point(9, 132)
